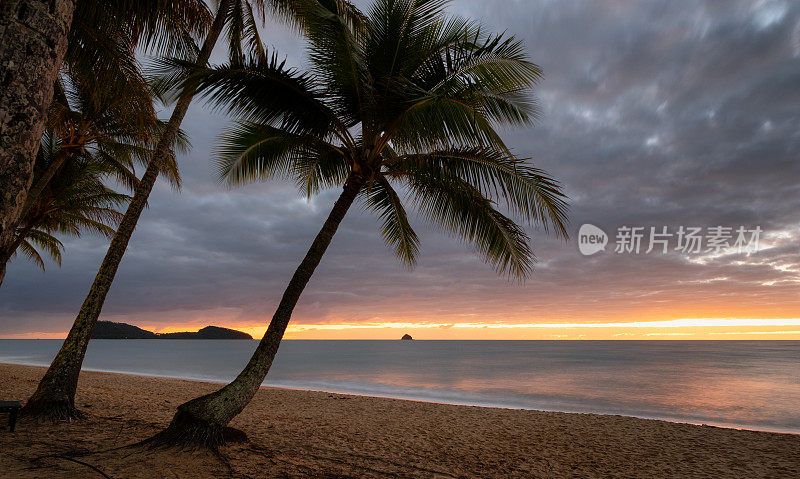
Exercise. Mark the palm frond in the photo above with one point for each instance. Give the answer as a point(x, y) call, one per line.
point(460, 209)
point(398, 33)
point(442, 122)
point(75, 201)
point(319, 165)
point(396, 230)
point(44, 241)
point(527, 191)
point(165, 27)
point(258, 91)
point(335, 47)
point(251, 152)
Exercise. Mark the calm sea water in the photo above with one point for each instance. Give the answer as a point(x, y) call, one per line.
point(750, 384)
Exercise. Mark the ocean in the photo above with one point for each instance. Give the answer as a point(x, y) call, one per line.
point(744, 384)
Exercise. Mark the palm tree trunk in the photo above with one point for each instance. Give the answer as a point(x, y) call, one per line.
point(55, 396)
point(41, 183)
point(33, 40)
point(202, 421)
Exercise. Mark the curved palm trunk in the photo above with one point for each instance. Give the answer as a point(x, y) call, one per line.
point(46, 177)
point(55, 396)
point(201, 421)
point(33, 40)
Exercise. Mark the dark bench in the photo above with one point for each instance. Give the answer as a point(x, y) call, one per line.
point(12, 408)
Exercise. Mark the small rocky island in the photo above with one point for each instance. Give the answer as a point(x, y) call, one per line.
point(406, 337)
point(111, 330)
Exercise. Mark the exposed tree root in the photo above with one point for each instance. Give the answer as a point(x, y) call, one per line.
point(186, 431)
point(52, 410)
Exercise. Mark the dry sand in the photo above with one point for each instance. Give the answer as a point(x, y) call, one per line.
point(317, 434)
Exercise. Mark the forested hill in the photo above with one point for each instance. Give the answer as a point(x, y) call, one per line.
point(111, 330)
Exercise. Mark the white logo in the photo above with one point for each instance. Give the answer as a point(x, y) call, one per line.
point(591, 239)
point(717, 240)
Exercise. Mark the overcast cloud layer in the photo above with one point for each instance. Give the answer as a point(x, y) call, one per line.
point(654, 114)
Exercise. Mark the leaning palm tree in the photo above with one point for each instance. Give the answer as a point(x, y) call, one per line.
point(404, 112)
point(92, 37)
point(55, 396)
point(74, 202)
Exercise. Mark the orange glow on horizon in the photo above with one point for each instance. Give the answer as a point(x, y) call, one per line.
point(690, 328)
point(684, 328)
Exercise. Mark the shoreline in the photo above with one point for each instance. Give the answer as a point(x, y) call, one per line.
point(674, 420)
point(301, 433)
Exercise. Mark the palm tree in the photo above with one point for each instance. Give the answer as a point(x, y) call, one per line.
point(91, 37)
point(408, 107)
point(90, 119)
point(55, 396)
point(75, 201)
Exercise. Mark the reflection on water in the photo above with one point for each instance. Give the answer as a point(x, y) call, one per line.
point(746, 383)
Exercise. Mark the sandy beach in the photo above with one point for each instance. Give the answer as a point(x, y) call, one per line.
point(295, 433)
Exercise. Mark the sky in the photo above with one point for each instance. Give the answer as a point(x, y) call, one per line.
point(654, 114)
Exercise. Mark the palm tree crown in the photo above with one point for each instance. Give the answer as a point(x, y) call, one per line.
point(406, 101)
point(74, 202)
point(93, 135)
point(95, 119)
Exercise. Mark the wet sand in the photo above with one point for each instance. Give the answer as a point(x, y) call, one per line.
point(317, 434)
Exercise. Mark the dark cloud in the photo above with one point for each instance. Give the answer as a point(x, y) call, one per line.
point(654, 113)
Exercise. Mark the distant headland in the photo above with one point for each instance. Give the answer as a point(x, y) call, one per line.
point(406, 337)
point(111, 330)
